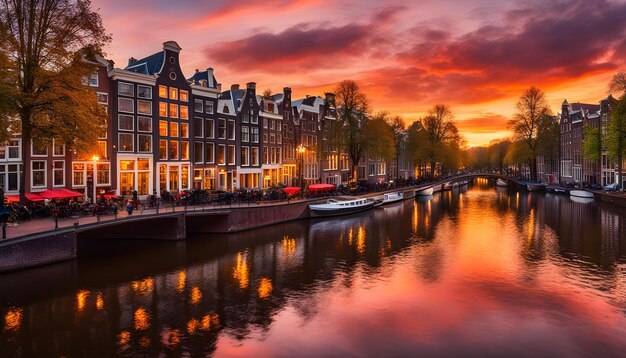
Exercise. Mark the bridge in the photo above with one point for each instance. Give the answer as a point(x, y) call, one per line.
point(468, 176)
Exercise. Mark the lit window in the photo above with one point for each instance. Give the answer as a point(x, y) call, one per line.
point(184, 114)
point(173, 110)
point(173, 93)
point(184, 130)
point(144, 107)
point(184, 96)
point(163, 91)
point(162, 149)
point(173, 129)
point(163, 128)
point(184, 150)
point(163, 109)
point(126, 142)
point(173, 150)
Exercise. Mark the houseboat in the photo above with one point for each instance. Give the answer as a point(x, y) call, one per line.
point(335, 207)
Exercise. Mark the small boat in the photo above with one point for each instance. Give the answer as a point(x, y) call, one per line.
point(446, 186)
point(581, 193)
point(390, 198)
point(581, 200)
point(536, 187)
point(341, 207)
point(425, 192)
point(501, 183)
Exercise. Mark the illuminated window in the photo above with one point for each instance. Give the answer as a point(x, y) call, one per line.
point(173, 153)
point(173, 129)
point(173, 93)
point(184, 112)
point(126, 142)
point(184, 96)
point(184, 150)
point(162, 149)
point(163, 109)
point(184, 130)
point(163, 91)
point(173, 110)
point(163, 128)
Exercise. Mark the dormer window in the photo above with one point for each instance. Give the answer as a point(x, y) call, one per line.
point(225, 110)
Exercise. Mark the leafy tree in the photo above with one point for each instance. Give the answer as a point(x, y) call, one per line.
point(592, 145)
point(379, 138)
point(417, 152)
point(353, 106)
point(616, 130)
point(267, 94)
point(530, 108)
point(48, 45)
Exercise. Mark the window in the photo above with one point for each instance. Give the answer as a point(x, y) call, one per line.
point(371, 169)
point(93, 79)
point(58, 150)
point(265, 156)
point(173, 150)
point(231, 155)
point(162, 149)
point(198, 106)
point(209, 107)
point(265, 120)
point(231, 129)
point(184, 114)
point(102, 148)
point(222, 128)
point(144, 124)
point(39, 150)
point(58, 173)
point(163, 91)
point(279, 138)
point(255, 156)
point(144, 143)
point(209, 129)
point(38, 173)
point(246, 118)
point(184, 96)
point(173, 129)
point(78, 174)
point(102, 97)
point(245, 133)
point(197, 130)
point(163, 128)
point(209, 152)
point(125, 122)
point(144, 107)
point(272, 138)
point(173, 93)
point(125, 89)
point(125, 105)
point(198, 152)
point(245, 156)
point(173, 110)
point(254, 134)
point(184, 150)
point(163, 109)
point(102, 174)
point(126, 142)
point(144, 92)
point(184, 130)
point(14, 149)
point(221, 154)
point(264, 137)
point(255, 119)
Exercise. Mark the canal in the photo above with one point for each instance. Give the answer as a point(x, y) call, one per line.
point(477, 272)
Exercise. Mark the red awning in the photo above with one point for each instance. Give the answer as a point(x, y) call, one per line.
point(29, 196)
point(59, 194)
point(290, 190)
point(110, 196)
point(316, 187)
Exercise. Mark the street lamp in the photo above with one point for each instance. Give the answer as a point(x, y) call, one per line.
point(301, 149)
point(94, 174)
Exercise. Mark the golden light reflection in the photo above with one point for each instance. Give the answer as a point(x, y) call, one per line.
point(81, 299)
point(414, 219)
point(13, 319)
point(144, 286)
point(265, 287)
point(144, 342)
point(530, 230)
point(360, 241)
point(192, 326)
point(196, 295)
point(182, 281)
point(289, 245)
point(170, 337)
point(124, 338)
point(241, 272)
point(210, 320)
point(351, 236)
point(99, 302)
point(142, 319)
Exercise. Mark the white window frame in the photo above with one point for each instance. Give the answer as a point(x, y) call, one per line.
point(119, 147)
point(106, 95)
point(149, 106)
point(231, 149)
point(138, 127)
point(57, 155)
point(195, 103)
point(45, 174)
point(148, 87)
point(32, 152)
point(138, 141)
point(119, 100)
point(62, 170)
point(211, 145)
point(209, 104)
point(132, 122)
point(91, 78)
point(132, 87)
point(247, 157)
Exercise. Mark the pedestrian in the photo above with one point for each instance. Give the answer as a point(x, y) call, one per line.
point(129, 207)
point(55, 215)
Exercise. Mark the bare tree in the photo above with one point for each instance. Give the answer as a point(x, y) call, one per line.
point(48, 45)
point(530, 108)
point(441, 138)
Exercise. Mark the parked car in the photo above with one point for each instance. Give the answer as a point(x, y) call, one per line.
point(595, 186)
point(610, 187)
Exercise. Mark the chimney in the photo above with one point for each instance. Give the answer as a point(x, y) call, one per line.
point(131, 61)
point(197, 70)
point(234, 87)
point(219, 87)
point(251, 85)
point(286, 90)
point(209, 72)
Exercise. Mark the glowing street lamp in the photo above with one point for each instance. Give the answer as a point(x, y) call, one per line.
point(301, 149)
point(94, 174)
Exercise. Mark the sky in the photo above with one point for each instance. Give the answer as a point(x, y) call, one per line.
point(474, 56)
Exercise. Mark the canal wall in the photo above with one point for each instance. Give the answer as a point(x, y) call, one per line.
point(37, 250)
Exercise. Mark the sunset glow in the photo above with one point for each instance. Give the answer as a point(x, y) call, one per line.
point(475, 56)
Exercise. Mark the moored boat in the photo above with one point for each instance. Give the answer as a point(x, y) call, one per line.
point(390, 198)
point(501, 183)
point(446, 186)
point(536, 187)
point(335, 207)
point(581, 200)
point(425, 192)
point(581, 193)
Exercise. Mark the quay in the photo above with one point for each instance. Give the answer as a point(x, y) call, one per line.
point(36, 242)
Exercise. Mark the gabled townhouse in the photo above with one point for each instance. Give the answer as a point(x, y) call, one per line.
point(573, 119)
point(307, 112)
point(272, 141)
point(289, 139)
point(205, 91)
point(227, 145)
point(334, 162)
point(249, 171)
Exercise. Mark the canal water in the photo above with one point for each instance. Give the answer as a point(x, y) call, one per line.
point(477, 272)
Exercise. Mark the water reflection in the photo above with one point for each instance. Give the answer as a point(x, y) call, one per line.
point(487, 271)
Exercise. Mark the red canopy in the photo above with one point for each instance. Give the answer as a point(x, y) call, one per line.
point(290, 190)
point(61, 193)
point(316, 187)
point(29, 196)
point(110, 196)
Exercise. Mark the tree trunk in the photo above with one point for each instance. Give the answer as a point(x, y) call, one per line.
point(533, 169)
point(25, 115)
point(432, 170)
point(354, 172)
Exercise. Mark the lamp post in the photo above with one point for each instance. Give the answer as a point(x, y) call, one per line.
point(301, 149)
point(94, 174)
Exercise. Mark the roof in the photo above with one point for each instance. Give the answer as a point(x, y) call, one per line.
point(585, 107)
point(149, 65)
point(232, 99)
point(203, 76)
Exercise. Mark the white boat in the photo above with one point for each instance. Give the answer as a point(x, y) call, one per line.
point(581, 200)
point(341, 207)
point(390, 198)
point(446, 186)
point(425, 192)
point(502, 183)
point(536, 186)
point(581, 193)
